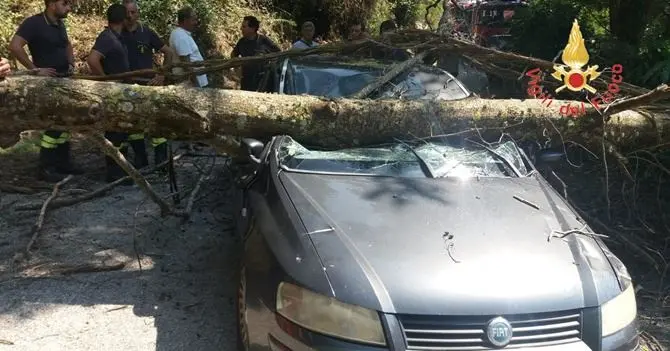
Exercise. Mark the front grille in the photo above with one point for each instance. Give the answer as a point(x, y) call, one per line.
point(469, 332)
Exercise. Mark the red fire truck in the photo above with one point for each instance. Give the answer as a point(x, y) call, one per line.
point(487, 22)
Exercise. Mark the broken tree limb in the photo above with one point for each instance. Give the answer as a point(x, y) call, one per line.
point(40, 219)
point(206, 114)
point(392, 73)
point(109, 150)
point(63, 202)
point(659, 93)
point(422, 39)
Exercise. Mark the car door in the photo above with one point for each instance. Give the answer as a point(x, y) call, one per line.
point(286, 81)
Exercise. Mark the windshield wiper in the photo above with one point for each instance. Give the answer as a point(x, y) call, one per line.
point(499, 156)
point(425, 168)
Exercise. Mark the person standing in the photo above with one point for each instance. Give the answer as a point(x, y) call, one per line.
point(141, 43)
point(109, 55)
point(52, 56)
point(181, 41)
point(5, 69)
point(252, 44)
point(306, 40)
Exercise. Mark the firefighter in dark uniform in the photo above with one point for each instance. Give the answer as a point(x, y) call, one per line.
point(52, 56)
point(110, 56)
point(142, 42)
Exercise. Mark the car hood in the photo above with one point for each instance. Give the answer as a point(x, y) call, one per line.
point(449, 246)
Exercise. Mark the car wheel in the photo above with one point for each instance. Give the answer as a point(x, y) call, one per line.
point(242, 327)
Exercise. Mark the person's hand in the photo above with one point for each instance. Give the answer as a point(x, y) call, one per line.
point(46, 72)
point(157, 80)
point(4, 68)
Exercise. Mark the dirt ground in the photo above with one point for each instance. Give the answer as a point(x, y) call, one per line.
point(169, 285)
point(181, 299)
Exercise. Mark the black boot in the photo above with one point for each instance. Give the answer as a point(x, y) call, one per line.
point(47, 166)
point(65, 164)
point(160, 153)
point(140, 151)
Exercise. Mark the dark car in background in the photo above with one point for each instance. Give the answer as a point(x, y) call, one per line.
point(433, 244)
point(336, 76)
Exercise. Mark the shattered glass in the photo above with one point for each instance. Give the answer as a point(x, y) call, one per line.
point(397, 160)
point(420, 82)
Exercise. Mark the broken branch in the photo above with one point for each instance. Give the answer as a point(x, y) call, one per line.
point(40, 219)
point(61, 202)
point(392, 73)
point(109, 149)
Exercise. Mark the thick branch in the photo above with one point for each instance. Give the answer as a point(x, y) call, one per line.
point(659, 93)
point(118, 157)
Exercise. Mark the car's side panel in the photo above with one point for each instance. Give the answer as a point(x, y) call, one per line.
point(272, 251)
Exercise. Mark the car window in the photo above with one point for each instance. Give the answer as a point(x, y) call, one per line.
point(397, 160)
point(330, 81)
point(420, 82)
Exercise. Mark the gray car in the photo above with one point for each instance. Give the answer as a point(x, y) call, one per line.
point(337, 77)
point(446, 243)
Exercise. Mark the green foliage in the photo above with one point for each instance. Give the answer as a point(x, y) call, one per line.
point(161, 15)
point(541, 30)
point(406, 12)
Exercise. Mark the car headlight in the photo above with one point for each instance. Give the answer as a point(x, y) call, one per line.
point(328, 316)
point(618, 312)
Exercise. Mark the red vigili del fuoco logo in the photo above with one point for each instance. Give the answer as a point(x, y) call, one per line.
point(574, 78)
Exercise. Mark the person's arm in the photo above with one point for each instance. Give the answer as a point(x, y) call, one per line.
point(94, 62)
point(23, 35)
point(70, 57)
point(236, 51)
point(271, 45)
point(168, 55)
point(16, 47)
point(5, 69)
point(97, 54)
point(159, 46)
point(168, 58)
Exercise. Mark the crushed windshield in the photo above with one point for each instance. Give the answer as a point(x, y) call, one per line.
point(398, 160)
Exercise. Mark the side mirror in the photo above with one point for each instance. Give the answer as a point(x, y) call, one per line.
point(254, 149)
point(548, 156)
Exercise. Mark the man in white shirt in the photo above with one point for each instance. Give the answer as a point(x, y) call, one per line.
point(181, 40)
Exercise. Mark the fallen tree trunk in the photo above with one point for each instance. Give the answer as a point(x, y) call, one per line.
point(207, 114)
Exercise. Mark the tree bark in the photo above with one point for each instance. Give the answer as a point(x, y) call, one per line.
point(208, 114)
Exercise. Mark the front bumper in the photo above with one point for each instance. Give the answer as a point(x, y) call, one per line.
point(283, 335)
